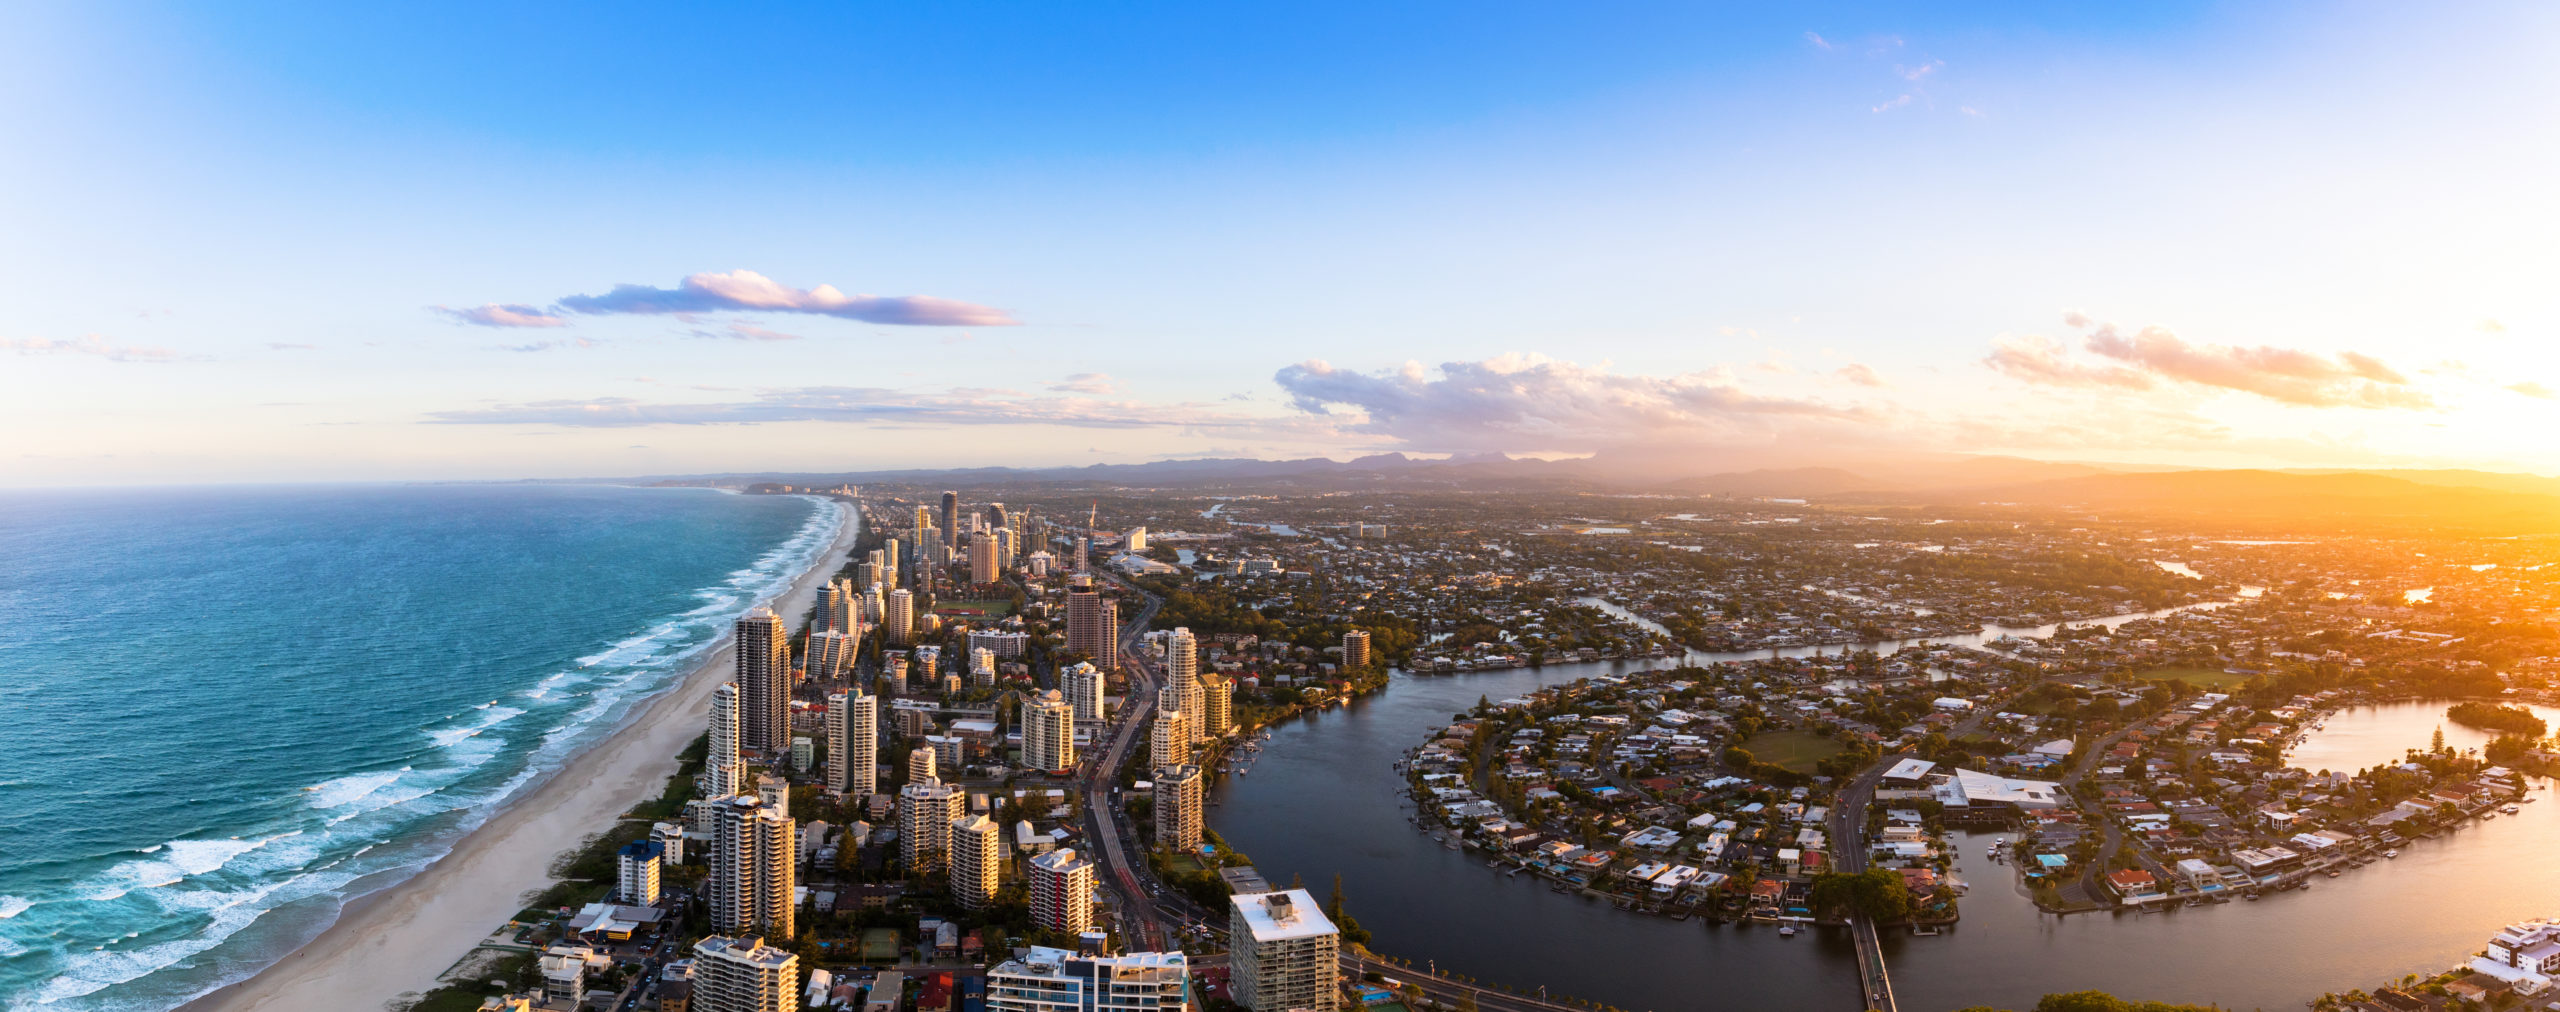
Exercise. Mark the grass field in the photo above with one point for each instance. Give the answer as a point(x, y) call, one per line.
point(1797, 751)
point(976, 609)
point(2203, 677)
point(880, 945)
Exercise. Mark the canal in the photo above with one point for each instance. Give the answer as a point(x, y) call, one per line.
point(1325, 801)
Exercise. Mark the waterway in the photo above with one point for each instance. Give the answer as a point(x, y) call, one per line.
point(1325, 802)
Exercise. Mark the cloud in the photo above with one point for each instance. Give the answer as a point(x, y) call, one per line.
point(503, 315)
point(1896, 102)
point(2153, 355)
point(282, 346)
point(2530, 388)
point(2493, 326)
point(744, 331)
point(547, 345)
point(1860, 374)
point(90, 344)
point(749, 291)
point(1916, 74)
point(1094, 383)
point(872, 405)
point(1536, 404)
point(1818, 41)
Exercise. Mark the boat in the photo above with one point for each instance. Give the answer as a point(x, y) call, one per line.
point(1787, 932)
point(2391, 853)
point(2512, 809)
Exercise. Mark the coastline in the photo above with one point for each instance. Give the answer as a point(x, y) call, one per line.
point(396, 941)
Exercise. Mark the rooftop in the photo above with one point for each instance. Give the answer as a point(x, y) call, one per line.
point(1280, 916)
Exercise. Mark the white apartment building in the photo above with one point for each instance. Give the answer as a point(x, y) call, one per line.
point(754, 859)
point(1178, 813)
point(1062, 891)
point(926, 810)
point(853, 742)
point(1282, 953)
point(1049, 733)
point(1056, 980)
point(744, 975)
point(977, 861)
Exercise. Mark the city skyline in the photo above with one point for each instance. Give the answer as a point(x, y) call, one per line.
point(814, 238)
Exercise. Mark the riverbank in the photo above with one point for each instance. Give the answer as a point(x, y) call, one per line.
point(397, 941)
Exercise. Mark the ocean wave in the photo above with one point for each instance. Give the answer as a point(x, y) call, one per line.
point(12, 906)
point(491, 716)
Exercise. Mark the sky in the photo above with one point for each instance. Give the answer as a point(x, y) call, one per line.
point(302, 242)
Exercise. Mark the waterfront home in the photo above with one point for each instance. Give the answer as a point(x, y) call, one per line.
point(2133, 884)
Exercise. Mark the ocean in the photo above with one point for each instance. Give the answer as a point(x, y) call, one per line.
point(227, 709)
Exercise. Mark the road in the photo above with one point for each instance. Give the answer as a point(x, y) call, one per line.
point(1114, 841)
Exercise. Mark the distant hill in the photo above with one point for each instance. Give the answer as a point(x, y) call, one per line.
point(2531, 484)
point(1920, 473)
point(2360, 500)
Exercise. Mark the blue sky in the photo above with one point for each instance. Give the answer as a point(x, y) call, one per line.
point(2296, 235)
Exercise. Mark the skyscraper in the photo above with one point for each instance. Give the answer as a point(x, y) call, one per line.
point(899, 624)
point(1182, 673)
point(1062, 891)
point(1049, 733)
point(764, 683)
point(985, 565)
point(950, 518)
point(977, 861)
point(853, 742)
point(1217, 705)
point(1178, 815)
point(889, 564)
point(744, 975)
point(1093, 628)
point(1169, 739)
point(926, 810)
point(753, 856)
point(921, 765)
point(828, 654)
point(1355, 649)
point(1282, 953)
point(1084, 690)
point(723, 773)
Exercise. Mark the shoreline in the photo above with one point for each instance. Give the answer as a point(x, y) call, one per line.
point(397, 941)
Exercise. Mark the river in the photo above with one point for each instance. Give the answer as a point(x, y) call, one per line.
point(1328, 803)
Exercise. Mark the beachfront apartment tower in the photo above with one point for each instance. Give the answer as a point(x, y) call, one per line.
point(829, 655)
point(1169, 740)
point(1062, 891)
point(744, 975)
point(723, 773)
point(1093, 628)
point(977, 861)
point(754, 856)
point(1282, 953)
point(1178, 812)
point(1084, 691)
point(764, 683)
point(636, 879)
point(926, 810)
point(899, 622)
point(830, 609)
point(853, 743)
point(950, 517)
point(1355, 650)
point(1049, 733)
point(1057, 980)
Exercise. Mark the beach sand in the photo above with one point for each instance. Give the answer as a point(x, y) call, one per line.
point(394, 943)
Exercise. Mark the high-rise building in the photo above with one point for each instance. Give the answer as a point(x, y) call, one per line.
point(1282, 953)
point(1169, 738)
point(1355, 649)
point(1136, 539)
point(985, 566)
point(754, 854)
point(922, 764)
point(743, 975)
point(830, 617)
point(890, 567)
point(1084, 690)
point(1049, 733)
point(764, 683)
point(950, 518)
point(636, 867)
point(1093, 629)
point(775, 793)
point(926, 810)
point(1056, 980)
point(1217, 705)
point(977, 861)
point(996, 510)
point(900, 621)
point(828, 654)
point(853, 742)
point(1062, 891)
point(1178, 815)
point(723, 773)
point(1182, 673)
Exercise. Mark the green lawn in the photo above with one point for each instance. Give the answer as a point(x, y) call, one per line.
point(880, 945)
point(1797, 751)
point(976, 609)
point(2201, 677)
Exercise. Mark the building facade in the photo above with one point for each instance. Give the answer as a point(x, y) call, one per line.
point(743, 975)
point(853, 743)
point(1178, 815)
point(1056, 980)
point(1049, 733)
point(1282, 953)
point(1355, 649)
point(1062, 891)
point(723, 772)
point(764, 683)
point(754, 856)
point(636, 872)
point(926, 810)
point(977, 861)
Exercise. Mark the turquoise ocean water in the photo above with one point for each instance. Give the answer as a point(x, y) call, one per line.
point(222, 711)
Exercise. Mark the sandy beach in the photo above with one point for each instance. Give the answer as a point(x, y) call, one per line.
point(395, 942)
